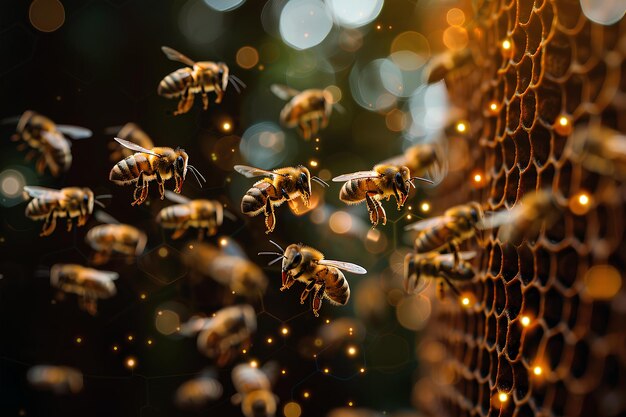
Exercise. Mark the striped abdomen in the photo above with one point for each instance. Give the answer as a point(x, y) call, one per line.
point(247, 379)
point(128, 169)
point(256, 197)
point(176, 83)
point(39, 208)
point(337, 288)
point(354, 191)
point(434, 239)
point(58, 153)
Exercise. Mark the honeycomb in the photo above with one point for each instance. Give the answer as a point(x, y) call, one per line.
point(570, 359)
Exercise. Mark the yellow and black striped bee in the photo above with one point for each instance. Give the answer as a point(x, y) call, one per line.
point(384, 181)
point(89, 284)
point(323, 276)
point(47, 204)
point(422, 268)
point(283, 184)
point(205, 215)
point(254, 390)
point(145, 165)
point(129, 132)
point(48, 140)
point(114, 237)
point(309, 110)
point(224, 335)
point(197, 392)
point(58, 379)
point(202, 78)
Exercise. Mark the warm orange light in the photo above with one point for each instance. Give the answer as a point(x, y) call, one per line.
point(131, 362)
point(326, 370)
point(351, 351)
point(425, 207)
point(362, 370)
point(506, 44)
point(79, 340)
point(142, 296)
point(269, 340)
point(306, 394)
point(130, 337)
point(478, 178)
point(461, 127)
point(537, 370)
point(254, 364)
point(284, 331)
point(525, 320)
point(313, 163)
point(465, 301)
point(226, 126)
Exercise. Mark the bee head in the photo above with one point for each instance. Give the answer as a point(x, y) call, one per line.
point(303, 182)
point(222, 74)
point(88, 200)
point(476, 212)
point(259, 403)
point(292, 257)
point(180, 168)
point(402, 184)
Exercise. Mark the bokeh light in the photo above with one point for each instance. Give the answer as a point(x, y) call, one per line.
point(305, 23)
point(409, 50)
point(604, 12)
point(413, 312)
point(340, 222)
point(292, 409)
point(199, 23)
point(247, 57)
point(167, 322)
point(355, 13)
point(455, 38)
point(46, 15)
point(263, 145)
point(375, 86)
point(455, 17)
point(224, 5)
point(12, 183)
point(602, 282)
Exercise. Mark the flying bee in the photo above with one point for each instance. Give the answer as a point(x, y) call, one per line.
point(129, 132)
point(205, 215)
point(73, 203)
point(48, 141)
point(201, 78)
point(114, 237)
point(254, 390)
point(158, 164)
point(58, 379)
point(309, 110)
point(421, 268)
point(283, 184)
point(384, 181)
point(422, 159)
point(197, 392)
point(225, 334)
point(600, 149)
point(89, 284)
point(323, 276)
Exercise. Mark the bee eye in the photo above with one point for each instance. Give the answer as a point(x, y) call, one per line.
point(303, 178)
point(398, 180)
point(180, 162)
point(296, 259)
point(86, 199)
point(220, 73)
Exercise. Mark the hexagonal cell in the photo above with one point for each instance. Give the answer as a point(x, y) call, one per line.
point(567, 266)
point(512, 187)
point(540, 138)
point(513, 341)
point(533, 32)
point(529, 106)
point(558, 57)
point(526, 263)
point(554, 350)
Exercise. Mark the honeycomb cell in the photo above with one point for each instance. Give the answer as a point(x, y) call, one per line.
point(540, 139)
point(529, 106)
point(554, 350)
point(553, 308)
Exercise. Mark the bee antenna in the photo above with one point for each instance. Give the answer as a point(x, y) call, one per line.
point(412, 179)
point(270, 253)
point(320, 181)
point(100, 203)
point(234, 84)
point(275, 260)
point(277, 245)
point(196, 173)
point(101, 196)
point(237, 79)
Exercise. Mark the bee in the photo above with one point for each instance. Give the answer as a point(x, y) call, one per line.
point(48, 140)
point(114, 237)
point(58, 379)
point(73, 203)
point(384, 181)
point(225, 334)
point(422, 159)
point(421, 268)
point(254, 390)
point(322, 276)
point(443, 64)
point(309, 110)
point(233, 271)
point(205, 215)
point(197, 392)
point(146, 165)
point(131, 133)
point(201, 78)
point(600, 149)
point(284, 184)
point(89, 284)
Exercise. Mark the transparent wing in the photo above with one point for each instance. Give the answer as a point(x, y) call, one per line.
point(283, 92)
point(250, 172)
point(176, 198)
point(37, 192)
point(339, 108)
point(346, 266)
point(428, 223)
point(75, 132)
point(356, 175)
point(104, 217)
point(492, 220)
point(109, 275)
point(174, 55)
point(134, 147)
point(464, 256)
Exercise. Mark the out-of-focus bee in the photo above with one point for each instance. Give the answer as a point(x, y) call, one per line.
point(114, 237)
point(58, 379)
point(198, 392)
point(145, 165)
point(129, 132)
point(47, 204)
point(48, 140)
point(254, 390)
point(422, 159)
point(225, 334)
point(323, 276)
point(205, 215)
point(441, 65)
point(89, 284)
point(600, 149)
point(384, 181)
point(234, 272)
point(309, 110)
point(420, 269)
point(283, 184)
point(202, 78)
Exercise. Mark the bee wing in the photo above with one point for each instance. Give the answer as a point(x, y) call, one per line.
point(174, 55)
point(39, 192)
point(346, 266)
point(428, 223)
point(134, 147)
point(492, 220)
point(75, 132)
point(176, 198)
point(104, 217)
point(250, 172)
point(356, 175)
point(464, 256)
point(283, 92)
point(616, 144)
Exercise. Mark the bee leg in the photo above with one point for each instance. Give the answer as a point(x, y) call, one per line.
point(371, 209)
point(441, 291)
point(30, 155)
point(304, 128)
point(161, 184)
point(201, 233)
point(219, 93)
point(49, 225)
point(270, 218)
point(454, 248)
point(324, 120)
point(317, 299)
point(41, 164)
point(307, 290)
point(315, 126)
point(179, 232)
point(185, 103)
point(381, 212)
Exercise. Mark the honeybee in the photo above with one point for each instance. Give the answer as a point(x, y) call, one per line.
point(73, 203)
point(600, 149)
point(233, 271)
point(48, 140)
point(422, 159)
point(197, 392)
point(202, 78)
point(205, 215)
point(114, 237)
point(145, 165)
point(384, 181)
point(58, 379)
point(306, 109)
point(89, 284)
point(254, 390)
point(421, 268)
point(131, 133)
point(283, 184)
point(225, 334)
point(441, 65)
point(323, 276)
